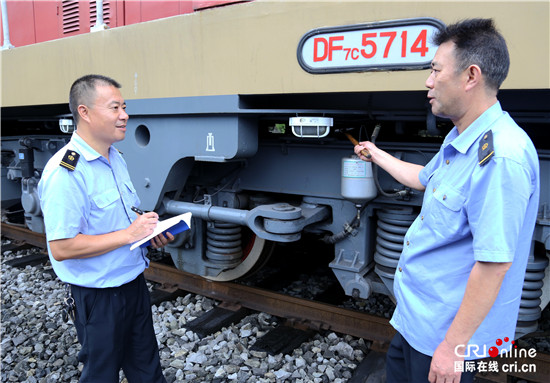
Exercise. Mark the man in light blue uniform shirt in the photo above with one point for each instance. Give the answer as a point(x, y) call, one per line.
point(460, 276)
point(86, 197)
point(95, 198)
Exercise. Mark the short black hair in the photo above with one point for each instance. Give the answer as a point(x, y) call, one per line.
point(478, 42)
point(83, 91)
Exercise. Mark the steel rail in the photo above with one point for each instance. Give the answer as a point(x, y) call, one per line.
point(318, 315)
point(20, 233)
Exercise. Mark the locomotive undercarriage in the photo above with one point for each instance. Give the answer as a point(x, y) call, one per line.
point(250, 183)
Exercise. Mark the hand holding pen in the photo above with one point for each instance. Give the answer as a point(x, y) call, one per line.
point(143, 225)
point(158, 241)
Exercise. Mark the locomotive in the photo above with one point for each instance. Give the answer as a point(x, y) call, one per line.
point(242, 115)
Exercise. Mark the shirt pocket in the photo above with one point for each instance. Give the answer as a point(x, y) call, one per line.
point(104, 199)
point(449, 198)
point(450, 220)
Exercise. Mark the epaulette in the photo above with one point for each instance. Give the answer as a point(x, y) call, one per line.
point(486, 149)
point(69, 160)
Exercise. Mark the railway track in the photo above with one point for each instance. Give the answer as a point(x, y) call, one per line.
point(299, 312)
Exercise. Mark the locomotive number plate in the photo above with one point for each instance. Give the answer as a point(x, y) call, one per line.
point(387, 45)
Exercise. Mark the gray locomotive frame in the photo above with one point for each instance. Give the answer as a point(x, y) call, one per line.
point(166, 139)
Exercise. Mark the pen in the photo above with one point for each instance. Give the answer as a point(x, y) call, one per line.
point(135, 209)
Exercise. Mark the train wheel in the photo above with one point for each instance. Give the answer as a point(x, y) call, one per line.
point(256, 254)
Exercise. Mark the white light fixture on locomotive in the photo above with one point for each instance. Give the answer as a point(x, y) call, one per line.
point(310, 127)
point(66, 125)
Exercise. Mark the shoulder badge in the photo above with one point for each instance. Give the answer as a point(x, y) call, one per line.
point(486, 149)
point(69, 160)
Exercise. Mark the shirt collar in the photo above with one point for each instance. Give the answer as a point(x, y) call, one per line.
point(86, 150)
point(462, 142)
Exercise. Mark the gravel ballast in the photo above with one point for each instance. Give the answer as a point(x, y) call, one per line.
point(37, 346)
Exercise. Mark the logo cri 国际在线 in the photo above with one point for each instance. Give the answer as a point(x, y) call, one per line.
point(505, 356)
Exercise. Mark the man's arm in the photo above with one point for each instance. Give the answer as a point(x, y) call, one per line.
point(480, 295)
point(403, 172)
point(86, 246)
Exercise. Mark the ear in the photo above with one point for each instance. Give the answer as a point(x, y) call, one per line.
point(83, 113)
point(474, 77)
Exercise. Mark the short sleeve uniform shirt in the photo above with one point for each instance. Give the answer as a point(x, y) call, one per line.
point(95, 198)
point(469, 213)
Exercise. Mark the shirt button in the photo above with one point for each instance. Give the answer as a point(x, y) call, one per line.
point(422, 218)
point(401, 269)
point(447, 162)
point(408, 243)
point(444, 197)
point(433, 190)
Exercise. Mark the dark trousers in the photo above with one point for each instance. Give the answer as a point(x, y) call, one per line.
point(406, 365)
point(115, 329)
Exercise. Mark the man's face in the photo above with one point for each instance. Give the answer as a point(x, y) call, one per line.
point(445, 84)
point(107, 115)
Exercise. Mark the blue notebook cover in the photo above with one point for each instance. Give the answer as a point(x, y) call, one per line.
point(174, 225)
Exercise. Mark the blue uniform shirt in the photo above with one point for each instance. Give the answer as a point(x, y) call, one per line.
point(470, 213)
point(93, 199)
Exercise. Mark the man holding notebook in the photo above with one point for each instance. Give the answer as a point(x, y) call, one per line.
point(86, 197)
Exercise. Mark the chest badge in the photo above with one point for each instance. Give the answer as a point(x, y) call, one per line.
point(486, 149)
point(70, 159)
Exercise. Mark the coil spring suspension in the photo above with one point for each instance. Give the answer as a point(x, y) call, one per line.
point(223, 243)
point(529, 308)
point(392, 227)
point(393, 224)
